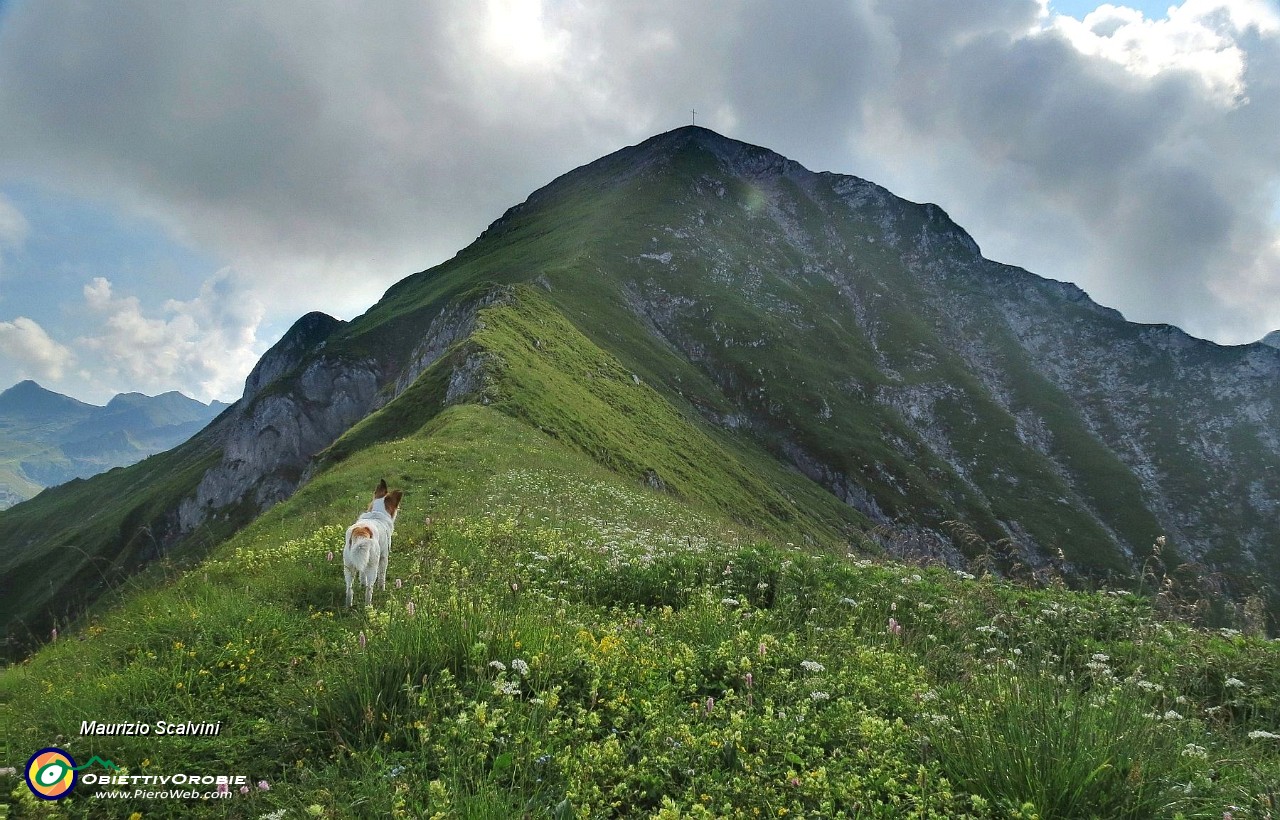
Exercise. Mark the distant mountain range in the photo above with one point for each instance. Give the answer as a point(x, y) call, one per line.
point(47, 438)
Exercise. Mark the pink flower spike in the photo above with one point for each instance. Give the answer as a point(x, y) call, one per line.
point(410, 608)
point(363, 640)
point(264, 786)
point(329, 556)
point(244, 789)
point(749, 679)
point(399, 583)
point(895, 628)
point(224, 788)
point(711, 704)
point(54, 634)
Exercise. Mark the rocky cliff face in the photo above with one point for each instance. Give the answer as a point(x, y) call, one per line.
point(298, 400)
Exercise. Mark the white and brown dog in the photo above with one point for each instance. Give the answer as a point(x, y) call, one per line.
point(369, 542)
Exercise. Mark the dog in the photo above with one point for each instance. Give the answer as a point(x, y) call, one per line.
point(369, 543)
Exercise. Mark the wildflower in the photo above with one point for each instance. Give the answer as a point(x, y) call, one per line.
point(1261, 735)
point(711, 704)
point(520, 666)
point(812, 666)
point(54, 635)
point(329, 556)
point(817, 696)
point(244, 789)
point(1233, 683)
point(498, 666)
point(399, 583)
point(964, 576)
point(1101, 658)
point(508, 688)
point(895, 628)
point(1192, 750)
point(763, 585)
point(748, 679)
point(1171, 715)
point(264, 786)
point(760, 650)
point(410, 608)
point(224, 788)
point(848, 602)
point(795, 781)
point(363, 640)
point(730, 601)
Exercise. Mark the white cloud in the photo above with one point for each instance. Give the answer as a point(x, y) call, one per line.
point(1201, 37)
point(32, 352)
point(203, 346)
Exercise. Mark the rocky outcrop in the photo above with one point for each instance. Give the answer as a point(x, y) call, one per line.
point(298, 400)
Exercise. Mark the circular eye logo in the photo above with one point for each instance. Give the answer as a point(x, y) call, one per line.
point(51, 774)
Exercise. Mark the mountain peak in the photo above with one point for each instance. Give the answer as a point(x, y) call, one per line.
point(27, 398)
point(739, 157)
point(1272, 339)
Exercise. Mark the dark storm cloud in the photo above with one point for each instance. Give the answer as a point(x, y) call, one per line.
point(347, 144)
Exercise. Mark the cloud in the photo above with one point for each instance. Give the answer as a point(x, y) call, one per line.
point(13, 225)
point(1143, 158)
point(205, 345)
point(32, 351)
point(344, 145)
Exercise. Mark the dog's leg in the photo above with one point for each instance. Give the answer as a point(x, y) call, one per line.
point(347, 571)
point(383, 557)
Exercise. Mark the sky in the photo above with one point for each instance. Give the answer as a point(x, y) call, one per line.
point(180, 181)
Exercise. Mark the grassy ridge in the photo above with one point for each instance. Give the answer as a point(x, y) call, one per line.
point(558, 640)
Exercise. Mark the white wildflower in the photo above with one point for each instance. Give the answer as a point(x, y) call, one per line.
point(520, 666)
point(730, 601)
point(812, 666)
point(819, 696)
point(1233, 683)
point(498, 666)
point(1258, 734)
point(1192, 750)
point(1171, 715)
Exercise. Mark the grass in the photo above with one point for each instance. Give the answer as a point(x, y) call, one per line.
point(581, 646)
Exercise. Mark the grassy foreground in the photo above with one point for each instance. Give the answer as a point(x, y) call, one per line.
point(560, 642)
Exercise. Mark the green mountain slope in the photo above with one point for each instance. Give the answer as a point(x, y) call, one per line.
point(793, 349)
point(558, 639)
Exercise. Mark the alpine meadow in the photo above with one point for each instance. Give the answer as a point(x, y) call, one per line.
point(731, 489)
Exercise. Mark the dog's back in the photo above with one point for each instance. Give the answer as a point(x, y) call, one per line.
point(368, 544)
